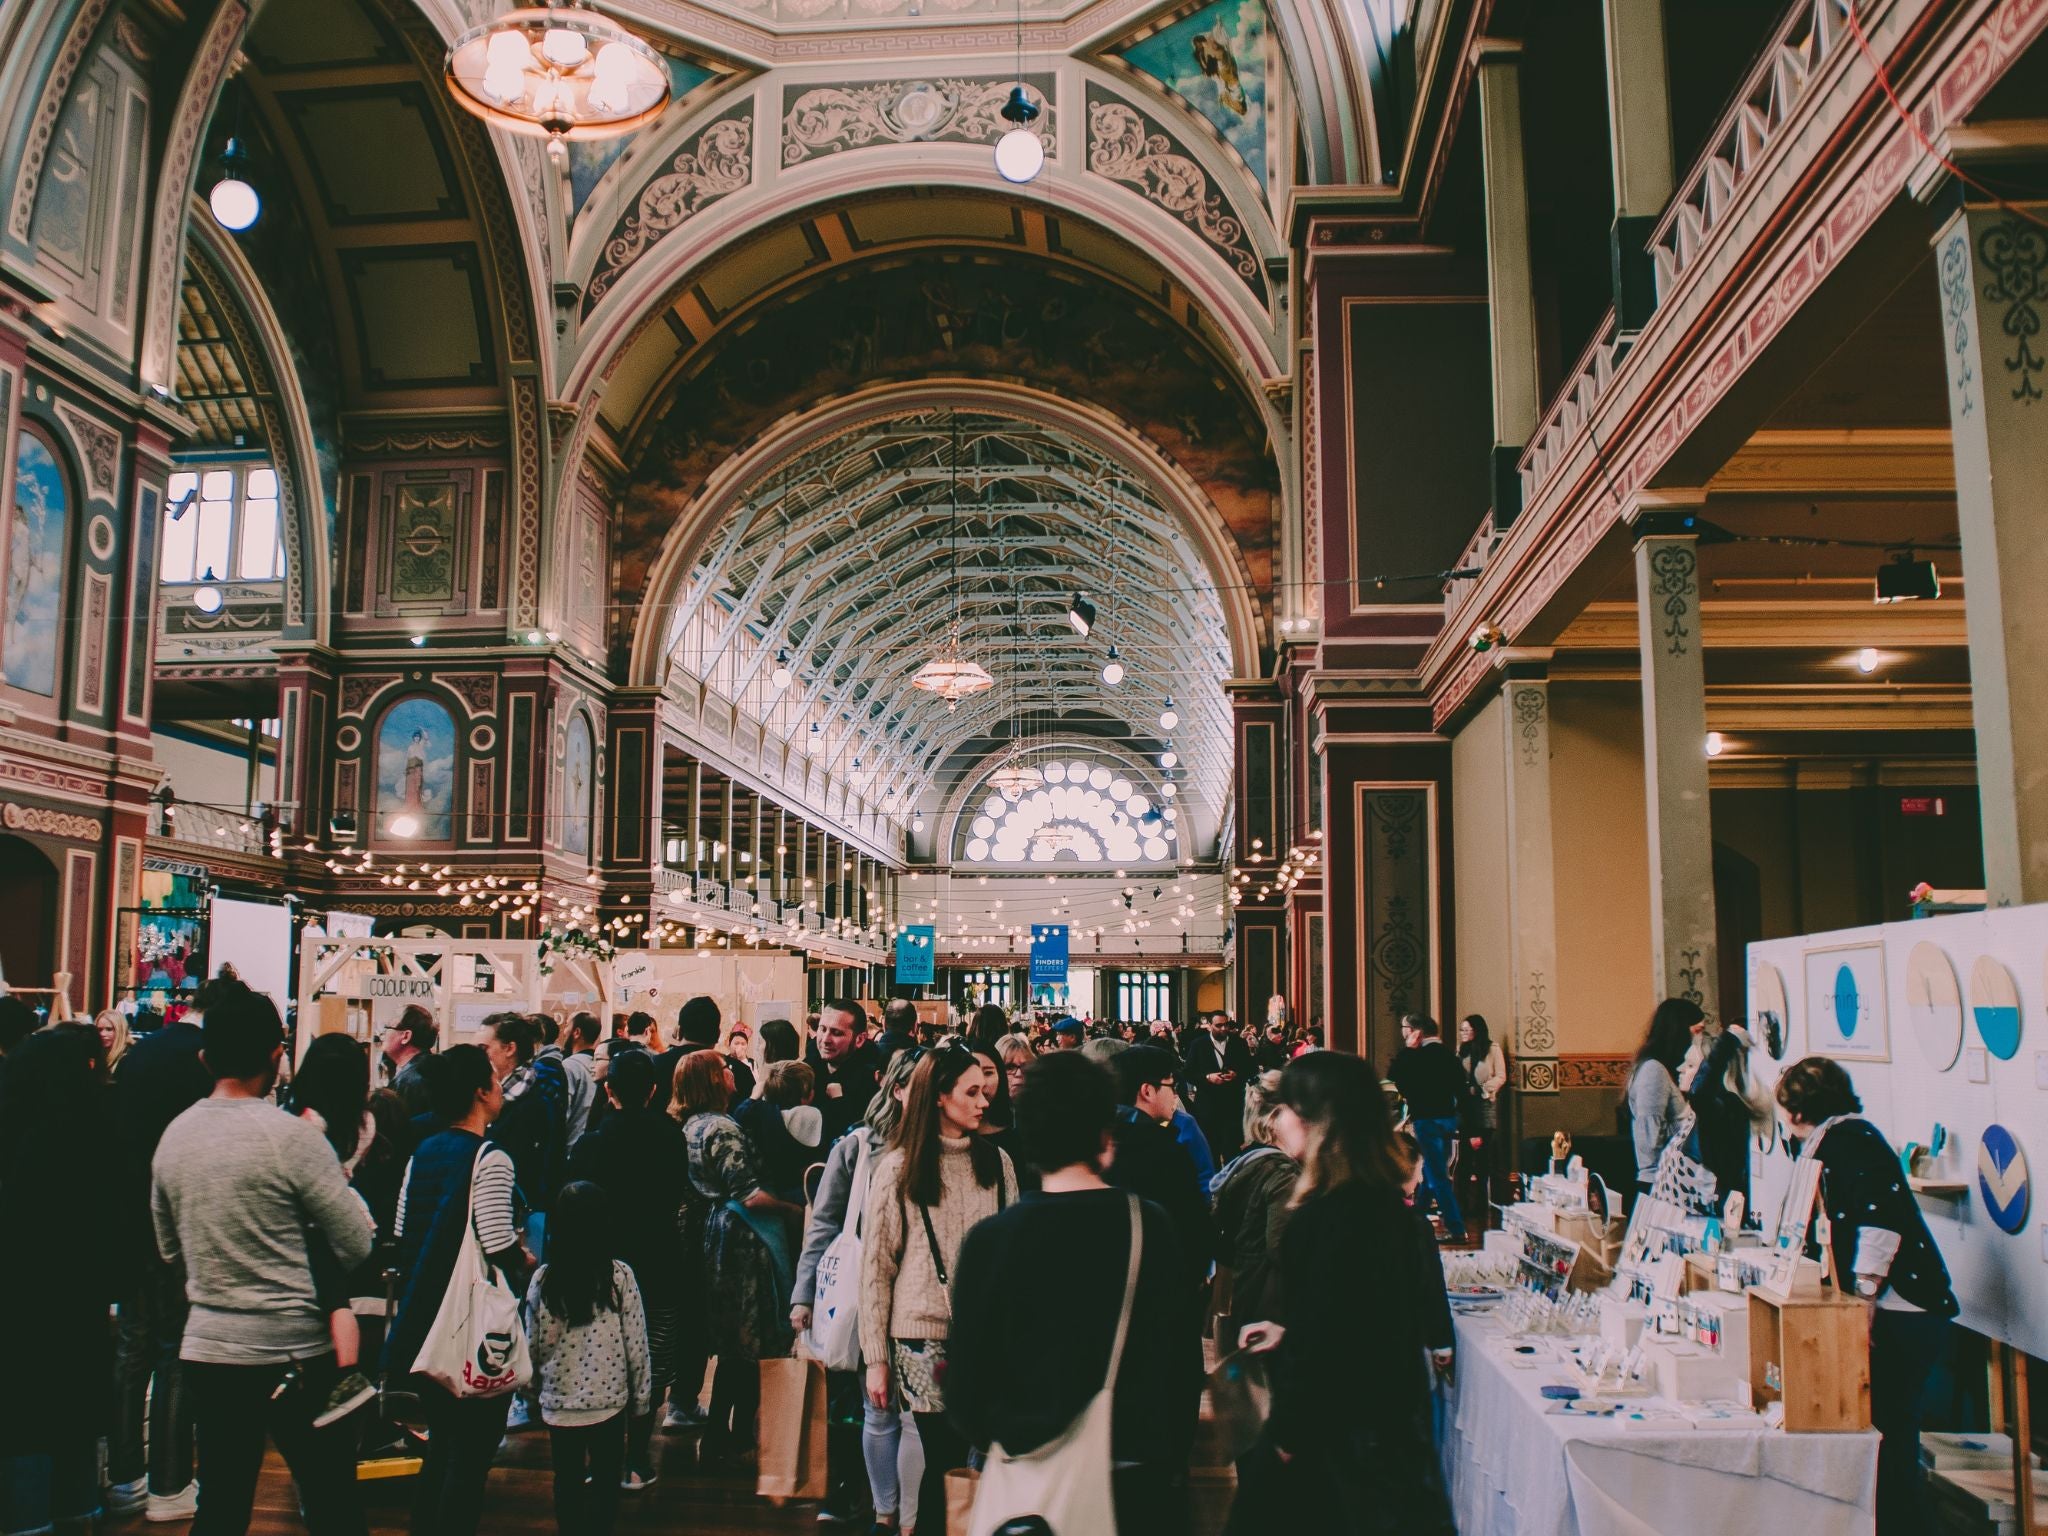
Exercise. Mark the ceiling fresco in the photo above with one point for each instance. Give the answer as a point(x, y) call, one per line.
point(1218, 61)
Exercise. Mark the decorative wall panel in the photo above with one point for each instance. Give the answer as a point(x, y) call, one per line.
point(1396, 860)
point(821, 120)
point(712, 164)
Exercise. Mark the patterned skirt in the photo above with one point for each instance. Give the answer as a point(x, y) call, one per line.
point(919, 1366)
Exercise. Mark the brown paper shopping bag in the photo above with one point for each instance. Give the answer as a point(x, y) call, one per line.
point(791, 1430)
point(960, 1485)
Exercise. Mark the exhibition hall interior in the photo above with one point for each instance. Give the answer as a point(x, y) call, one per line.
point(1345, 680)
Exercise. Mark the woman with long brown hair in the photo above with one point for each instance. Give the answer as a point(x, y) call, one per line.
point(938, 1163)
point(1358, 1458)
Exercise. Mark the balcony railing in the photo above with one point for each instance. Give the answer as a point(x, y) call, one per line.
point(204, 826)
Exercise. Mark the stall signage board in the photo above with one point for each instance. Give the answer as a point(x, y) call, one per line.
point(1049, 954)
point(411, 988)
point(916, 954)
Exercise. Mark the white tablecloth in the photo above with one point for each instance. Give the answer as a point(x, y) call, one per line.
point(1515, 1470)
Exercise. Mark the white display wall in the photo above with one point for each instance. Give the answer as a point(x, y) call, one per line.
point(1942, 1021)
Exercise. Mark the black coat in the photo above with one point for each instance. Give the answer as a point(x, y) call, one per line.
point(1151, 1163)
point(1218, 1107)
point(157, 1080)
point(639, 1158)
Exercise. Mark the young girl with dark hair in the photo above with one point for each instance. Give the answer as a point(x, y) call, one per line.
point(589, 1339)
point(331, 1091)
point(939, 1163)
point(1654, 1101)
point(1355, 1460)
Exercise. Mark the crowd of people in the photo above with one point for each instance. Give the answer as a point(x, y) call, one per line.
point(661, 1200)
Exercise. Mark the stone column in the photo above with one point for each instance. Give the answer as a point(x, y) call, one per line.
point(1510, 292)
point(1639, 135)
point(1532, 885)
point(1990, 266)
point(1675, 766)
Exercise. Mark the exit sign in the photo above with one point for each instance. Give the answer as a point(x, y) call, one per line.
point(1923, 805)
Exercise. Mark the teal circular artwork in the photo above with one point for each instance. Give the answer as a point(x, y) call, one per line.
point(1995, 1006)
point(2002, 1178)
point(1846, 1010)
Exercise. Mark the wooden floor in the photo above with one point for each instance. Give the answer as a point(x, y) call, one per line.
point(521, 1499)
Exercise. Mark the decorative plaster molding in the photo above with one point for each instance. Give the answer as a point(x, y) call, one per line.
point(1128, 146)
point(99, 450)
point(827, 119)
point(56, 91)
point(712, 164)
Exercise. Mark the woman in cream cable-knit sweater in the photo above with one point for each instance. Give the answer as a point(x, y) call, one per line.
point(938, 1179)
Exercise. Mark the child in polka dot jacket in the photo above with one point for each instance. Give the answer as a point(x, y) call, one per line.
point(589, 1336)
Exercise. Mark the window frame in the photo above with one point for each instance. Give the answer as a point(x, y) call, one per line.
point(242, 467)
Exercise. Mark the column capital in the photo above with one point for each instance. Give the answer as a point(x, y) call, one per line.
point(1667, 512)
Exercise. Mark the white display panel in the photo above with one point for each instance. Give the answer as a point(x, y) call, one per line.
point(1967, 1048)
point(256, 939)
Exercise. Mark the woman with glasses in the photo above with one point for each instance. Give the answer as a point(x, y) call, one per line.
point(938, 1179)
point(1353, 1460)
point(888, 1435)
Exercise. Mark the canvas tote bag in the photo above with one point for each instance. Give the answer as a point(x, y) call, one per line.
point(791, 1430)
point(834, 1335)
point(1066, 1481)
point(476, 1346)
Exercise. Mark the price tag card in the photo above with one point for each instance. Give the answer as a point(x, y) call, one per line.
point(1667, 1276)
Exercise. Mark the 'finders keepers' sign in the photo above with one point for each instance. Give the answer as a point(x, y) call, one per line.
point(1049, 955)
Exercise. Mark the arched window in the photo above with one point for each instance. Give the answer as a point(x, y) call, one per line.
point(578, 787)
point(38, 528)
point(415, 794)
point(1084, 811)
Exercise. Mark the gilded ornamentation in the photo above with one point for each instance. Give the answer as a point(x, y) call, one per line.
point(829, 119)
point(1126, 147)
point(429, 442)
point(356, 692)
point(1955, 304)
point(1673, 569)
point(718, 161)
point(2017, 256)
point(479, 690)
point(1537, 1033)
point(1537, 1076)
point(99, 450)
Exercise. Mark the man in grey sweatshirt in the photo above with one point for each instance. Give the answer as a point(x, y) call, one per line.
point(237, 1186)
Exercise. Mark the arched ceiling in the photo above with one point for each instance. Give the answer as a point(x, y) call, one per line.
point(844, 558)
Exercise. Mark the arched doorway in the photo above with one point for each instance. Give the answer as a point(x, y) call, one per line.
point(28, 894)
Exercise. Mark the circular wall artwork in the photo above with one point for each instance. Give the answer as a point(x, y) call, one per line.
point(1767, 1009)
point(347, 739)
point(2002, 1178)
point(1934, 1005)
point(1995, 1006)
point(99, 536)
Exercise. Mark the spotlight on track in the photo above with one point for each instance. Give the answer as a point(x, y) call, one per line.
point(1081, 614)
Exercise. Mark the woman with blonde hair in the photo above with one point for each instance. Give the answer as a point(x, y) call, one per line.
point(939, 1177)
point(1353, 1461)
point(112, 1024)
point(1250, 1198)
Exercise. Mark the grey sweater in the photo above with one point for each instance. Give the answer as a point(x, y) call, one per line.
point(235, 1185)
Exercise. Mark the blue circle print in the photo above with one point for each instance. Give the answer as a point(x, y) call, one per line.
point(1846, 1000)
point(2002, 1178)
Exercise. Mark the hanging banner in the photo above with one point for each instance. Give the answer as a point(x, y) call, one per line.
point(1049, 955)
point(916, 955)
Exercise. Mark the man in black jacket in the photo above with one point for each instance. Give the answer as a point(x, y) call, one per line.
point(1216, 1065)
point(1150, 1161)
point(1021, 1387)
point(845, 1067)
point(1429, 1079)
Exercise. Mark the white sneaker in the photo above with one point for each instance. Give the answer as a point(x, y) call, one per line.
point(520, 1416)
point(128, 1498)
point(168, 1508)
point(683, 1416)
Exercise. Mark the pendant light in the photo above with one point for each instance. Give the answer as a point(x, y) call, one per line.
point(1112, 669)
point(557, 71)
point(1020, 152)
point(951, 675)
point(233, 199)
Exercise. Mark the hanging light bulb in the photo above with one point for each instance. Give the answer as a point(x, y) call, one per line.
point(207, 597)
point(1169, 757)
point(233, 200)
point(1168, 718)
point(1113, 669)
point(781, 677)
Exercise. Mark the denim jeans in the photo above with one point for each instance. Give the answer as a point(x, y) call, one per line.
point(462, 1442)
point(894, 1454)
point(147, 1371)
point(59, 1488)
point(1435, 1137)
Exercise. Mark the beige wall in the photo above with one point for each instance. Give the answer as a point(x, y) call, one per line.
point(1600, 823)
point(1479, 868)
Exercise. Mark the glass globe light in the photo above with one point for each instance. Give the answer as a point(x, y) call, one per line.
point(1020, 153)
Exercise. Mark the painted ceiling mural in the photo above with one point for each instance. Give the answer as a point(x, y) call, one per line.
point(932, 316)
point(1218, 61)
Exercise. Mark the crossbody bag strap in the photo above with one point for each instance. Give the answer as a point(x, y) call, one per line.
point(1123, 1321)
point(857, 1187)
point(932, 1237)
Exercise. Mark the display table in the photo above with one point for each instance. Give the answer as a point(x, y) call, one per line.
point(1515, 1469)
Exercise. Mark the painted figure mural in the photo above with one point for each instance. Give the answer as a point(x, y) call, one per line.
point(1216, 61)
point(576, 789)
point(37, 525)
point(416, 773)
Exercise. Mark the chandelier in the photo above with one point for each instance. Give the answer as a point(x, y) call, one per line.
point(559, 71)
point(1053, 839)
point(1016, 778)
point(951, 675)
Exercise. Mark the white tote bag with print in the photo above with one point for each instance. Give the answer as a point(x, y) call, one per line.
point(833, 1338)
point(1066, 1481)
point(476, 1346)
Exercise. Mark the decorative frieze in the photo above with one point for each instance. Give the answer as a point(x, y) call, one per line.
point(714, 163)
point(1128, 146)
point(828, 119)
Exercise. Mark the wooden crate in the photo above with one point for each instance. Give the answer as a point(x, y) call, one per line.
point(1820, 1347)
